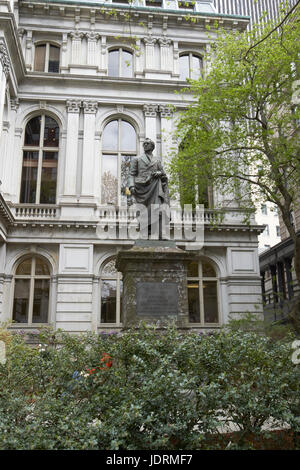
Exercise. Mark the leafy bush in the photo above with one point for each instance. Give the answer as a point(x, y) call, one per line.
point(146, 389)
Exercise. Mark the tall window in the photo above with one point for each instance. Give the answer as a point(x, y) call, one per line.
point(111, 294)
point(190, 66)
point(46, 58)
point(120, 63)
point(40, 156)
point(203, 293)
point(119, 145)
point(31, 291)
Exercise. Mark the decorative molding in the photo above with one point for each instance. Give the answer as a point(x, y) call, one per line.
point(149, 40)
point(4, 57)
point(90, 107)
point(164, 41)
point(92, 36)
point(73, 106)
point(14, 104)
point(165, 110)
point(150, 110)
point(76, 35)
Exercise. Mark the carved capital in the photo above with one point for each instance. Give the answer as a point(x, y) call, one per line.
point(76, 35)
point(73, 106)
point(165, 110)
point(150, 110)
point(92, 36)
point(90, 107)
point(164, 41)
point(149, 40)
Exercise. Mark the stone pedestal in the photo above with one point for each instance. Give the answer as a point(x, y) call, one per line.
point(154, 283)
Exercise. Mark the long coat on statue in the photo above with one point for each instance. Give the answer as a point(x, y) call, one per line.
point(149, 189)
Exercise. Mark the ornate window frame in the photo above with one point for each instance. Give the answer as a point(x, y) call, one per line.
point(201, 279)
point(117, 277)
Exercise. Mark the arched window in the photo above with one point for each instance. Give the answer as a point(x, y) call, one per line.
point(40, 156)
point(120, 63)
point(190, 66)
point(203, 293)
point(31, 291)
point(119, 145)
point(111, 294)
point(46, 58)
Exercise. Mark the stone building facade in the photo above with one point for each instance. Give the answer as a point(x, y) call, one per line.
point(82, 85)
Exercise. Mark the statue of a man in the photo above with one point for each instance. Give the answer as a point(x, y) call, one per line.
point(147, 181)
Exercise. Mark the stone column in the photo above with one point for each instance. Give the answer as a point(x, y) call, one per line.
point(165, 62)
point(150, 52)
point(28, 51)
point(289, 278)
point(10, 160)
point(166, 115)
point(138, 69)
point(88, 156)
point(103, 56)
point(64, 53)
point(73, 109)
point(76, 37)
point(175, 59)
point(92, 50)
point(4, 72)
point(150, 112)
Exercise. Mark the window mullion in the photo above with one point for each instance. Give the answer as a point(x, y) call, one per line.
point(118, 300)
point(47, 54)
point(31, 292)
point(40, 161)
point(119, 160)
point(120, 63)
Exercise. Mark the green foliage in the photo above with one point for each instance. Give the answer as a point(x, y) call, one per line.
point(145, 389)
point(242, 133)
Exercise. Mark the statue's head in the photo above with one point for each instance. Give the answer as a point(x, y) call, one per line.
point(148, 145)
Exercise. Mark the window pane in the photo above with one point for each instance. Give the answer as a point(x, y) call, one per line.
point(21, 300)
point(108, 301)
point(126, 64)
point(210, 302)
point(121, 302)
point(32, 132)
point(39, 58)
point(24, 267)
point(40, 301)
point(110, 136)
point(28, 184)
point(109, 190)
point(41, 267)
point(125, 165)
point(128, 137)
point(51, 134)
point(54, 59)
point(195, 67)
point(113, 63)
point(193, 301)
point(48, 185)
point(193, 269)
point(208, 270)
point(184, 67)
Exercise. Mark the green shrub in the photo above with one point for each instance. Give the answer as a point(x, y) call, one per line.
point(145, 389)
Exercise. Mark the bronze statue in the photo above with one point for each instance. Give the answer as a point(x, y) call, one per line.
point(147, 181)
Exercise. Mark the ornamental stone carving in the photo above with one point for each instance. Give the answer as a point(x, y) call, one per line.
point(90, 107)
point(73, 106)
point(150, 110)
point(165, 110)
point(4, 58)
